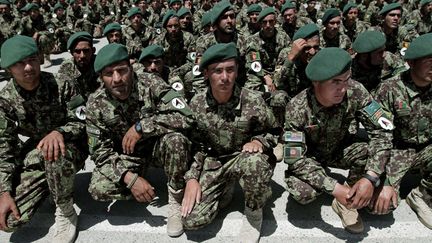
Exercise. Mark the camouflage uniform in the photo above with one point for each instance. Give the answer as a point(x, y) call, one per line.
point(328, 141)
point(137, 40)
point(340, 40)
point(220, 133)
point(422, 24)
point(120, 10)
point(162, 113)
point(398, 39)
point(30, 26)
point(300, 22)
point(10, 25)
point(371, 78)
point(357, 28)
point(371, 15)
point(61, 33)
point(176, 50)
point(205, 41)
point(23, 170)
point(412, 110)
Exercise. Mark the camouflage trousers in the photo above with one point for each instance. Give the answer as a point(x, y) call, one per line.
point(45, 43)
point(307, 178)
point(254, 173)
point(38, 178)
point(278, 101)
point(401, 161)
point(171, 151)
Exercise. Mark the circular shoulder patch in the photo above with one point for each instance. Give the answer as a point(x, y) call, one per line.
point(158, 31)
point(70, 26)
point(177, 86)
point(80, 112)
point(112, 13)
point(85, 16)
point(178, 103)
point(192, 56)
point(256, 66)
point(51, 30)
point(196, 71)
point(385, 123)
point(54, 15)
point(403, 50)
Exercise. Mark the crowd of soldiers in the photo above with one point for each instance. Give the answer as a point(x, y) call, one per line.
point(216, 92)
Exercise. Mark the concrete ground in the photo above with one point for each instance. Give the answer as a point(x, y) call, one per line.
point(284, 219)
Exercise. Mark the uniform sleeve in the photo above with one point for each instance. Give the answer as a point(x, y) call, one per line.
point(8, 144)
point(270, 128)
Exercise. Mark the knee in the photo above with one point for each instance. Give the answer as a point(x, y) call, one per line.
point(258, 162)
point(300, 191)
point(175, 141)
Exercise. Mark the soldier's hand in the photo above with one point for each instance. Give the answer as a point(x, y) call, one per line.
point(254, 146)
point(269, 82)
point(191, 196)
point(35, 36)
point(7, 204)
point(361, 193)
point(339, 192)
point(296, 49)
point(386, 197)
point(52, 145)
point(130, 139)
point(142, 190)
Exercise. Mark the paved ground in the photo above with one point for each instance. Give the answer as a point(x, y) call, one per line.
point(284, 219)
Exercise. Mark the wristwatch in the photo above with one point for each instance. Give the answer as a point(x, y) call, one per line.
point(138, 127)
point(376, 182)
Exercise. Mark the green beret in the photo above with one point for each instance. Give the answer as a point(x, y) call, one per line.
point(419, 47)
point(328, 63)
point(348, 6)
point(424, 2)
point(169, 14)
point(81, 35)
point(111, 27)
point(329, 14)
point(30, 6)
point(133, 11)
point(71, 1)
point(110, 54)
point(5, 2)
point(389, 7)
point(183, 11)
point(253, 8)
point(152, 51)
point(171, 2)
point(369, 41)
point(206, 19)
point(16, 49)
point(220, 8)
point(58, 6)
point(218, 52)
point(265, 12)
point(306, 31)
point(287, 5)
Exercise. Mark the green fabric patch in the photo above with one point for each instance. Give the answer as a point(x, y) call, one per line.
point(76, 101)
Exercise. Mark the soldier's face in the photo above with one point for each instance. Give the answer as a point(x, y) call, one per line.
point(4, 9)
point(249, 2)
point(290, 16)
point(173, 27)
point(352, 14)
point(154, 65)
point(60, 12)
point(27, 72)
point(268, 24)
point(222, 77)
point(311, 5)
point(393, 18)
point(117, 79)
point(185, 20)
point(311, 48)
point(421, 70)
point(227, 22)
point(142, 5)
point(114, 36)
point(333, 25)
point(136, 20)
point(377, 57)
point(176, 6)
point(253, 17)
point(332, 92)
point(82, 54)
point(34, 13)
point(427, 8)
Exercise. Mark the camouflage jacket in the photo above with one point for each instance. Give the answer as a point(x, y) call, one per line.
point(371, 15)
point(159, 109)
point(340, 40)
point(9, 26)
point(357, 28)
point(176, 50)
point(248, 30)
point(223, 129)
point(61, 27)
point(422, 24)
point(291, 76)
point(371, 78)
point(34, 115)
point(136, 41)
point(205, 41)
point(300, 22)
point(397, 39)
point(327, 130)
point(412, 110)
point(30, 26)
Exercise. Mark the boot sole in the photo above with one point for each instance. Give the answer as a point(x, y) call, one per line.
point(175, 234)
point(408, 201)
point(336, 210)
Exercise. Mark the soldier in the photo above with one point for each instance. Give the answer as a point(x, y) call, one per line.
point(137, 34)
point(206, 24)
point(408, 97)
point(292, 22)
point(331, 34)
point(351, 24)
point(372, 63)
point(175, 4)
point(132, 122)
point(9, 23)
point(61, 30)
point(121, 8)
point(239, 150)
point(113, 33)
point(372, 15)
point(177, 43)
point(204, 7)
point(396, 37)
point(185, 19)
point(317, 135)
point(252, 26)
point(34, 26)
point(421, 19)
point(36, 105)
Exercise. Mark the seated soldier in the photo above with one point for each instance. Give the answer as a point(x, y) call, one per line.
point(35, 105)
point(132, 122)
point(233, 141)
point(409, 97)
point(317, 135)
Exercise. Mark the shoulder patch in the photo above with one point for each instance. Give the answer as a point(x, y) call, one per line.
point(177, 86)
point(196, 71)
point(256, 66)
point(378, 116)
point(80, 112)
